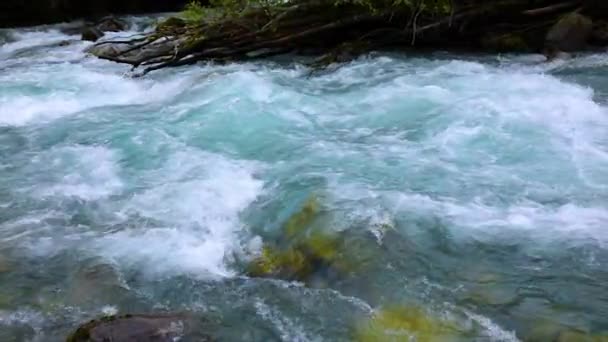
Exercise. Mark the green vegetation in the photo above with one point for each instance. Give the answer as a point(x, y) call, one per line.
point(194, 12)
point(301, 219)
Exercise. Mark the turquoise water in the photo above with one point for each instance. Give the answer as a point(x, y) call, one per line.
point(483, 181)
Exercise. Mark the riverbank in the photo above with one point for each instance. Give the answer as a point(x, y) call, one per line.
point(342, 31)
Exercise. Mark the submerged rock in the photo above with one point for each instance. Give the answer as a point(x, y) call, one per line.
point(302, 261)
point(304, 254)
point(298, 222)
point(492, 295)
point(134, 328)
point(571, 33)
point(95, 284)
point(552, 331)
point(406, 324)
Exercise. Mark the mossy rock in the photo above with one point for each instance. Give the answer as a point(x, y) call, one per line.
point(307, 258)
point(290, 264)
point(493, 295)
point(313, 255)
point(129, 328)
point(298, 261)
point(509, 42)
point(298, 252)
point(299, 221)
point(406, 324)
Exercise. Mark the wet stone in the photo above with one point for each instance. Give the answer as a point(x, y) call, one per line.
point(135, 328)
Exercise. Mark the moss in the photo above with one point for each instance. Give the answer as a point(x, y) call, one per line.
point(321, 246)
point(303, 254)
point(296, 262)
point(299, 260)
point(289, 263)
point(404, 324)
point(298, 254)
point(299, 221)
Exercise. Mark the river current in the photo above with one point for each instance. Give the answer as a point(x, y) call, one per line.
point(121, 194)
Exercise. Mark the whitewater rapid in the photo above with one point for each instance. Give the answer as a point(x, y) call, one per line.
point(174, 177)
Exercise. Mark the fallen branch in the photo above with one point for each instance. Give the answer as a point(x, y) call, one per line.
point(551, 9)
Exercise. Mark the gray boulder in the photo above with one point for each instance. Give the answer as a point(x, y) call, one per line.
point(111, 24)
point(106, 49)
point(571, 33)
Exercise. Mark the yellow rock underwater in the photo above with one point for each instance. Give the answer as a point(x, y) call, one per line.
point(399, 324)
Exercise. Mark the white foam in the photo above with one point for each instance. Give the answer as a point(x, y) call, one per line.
point(197, 202)
point(29, 317)
point(494, 332)
point(18, 110)
point(109, 310)
point(539, 224)
point(93, 173)
point(68, 89)
point(57, 81)
point(496, 128)
point(289, 330)
point(30, 38)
